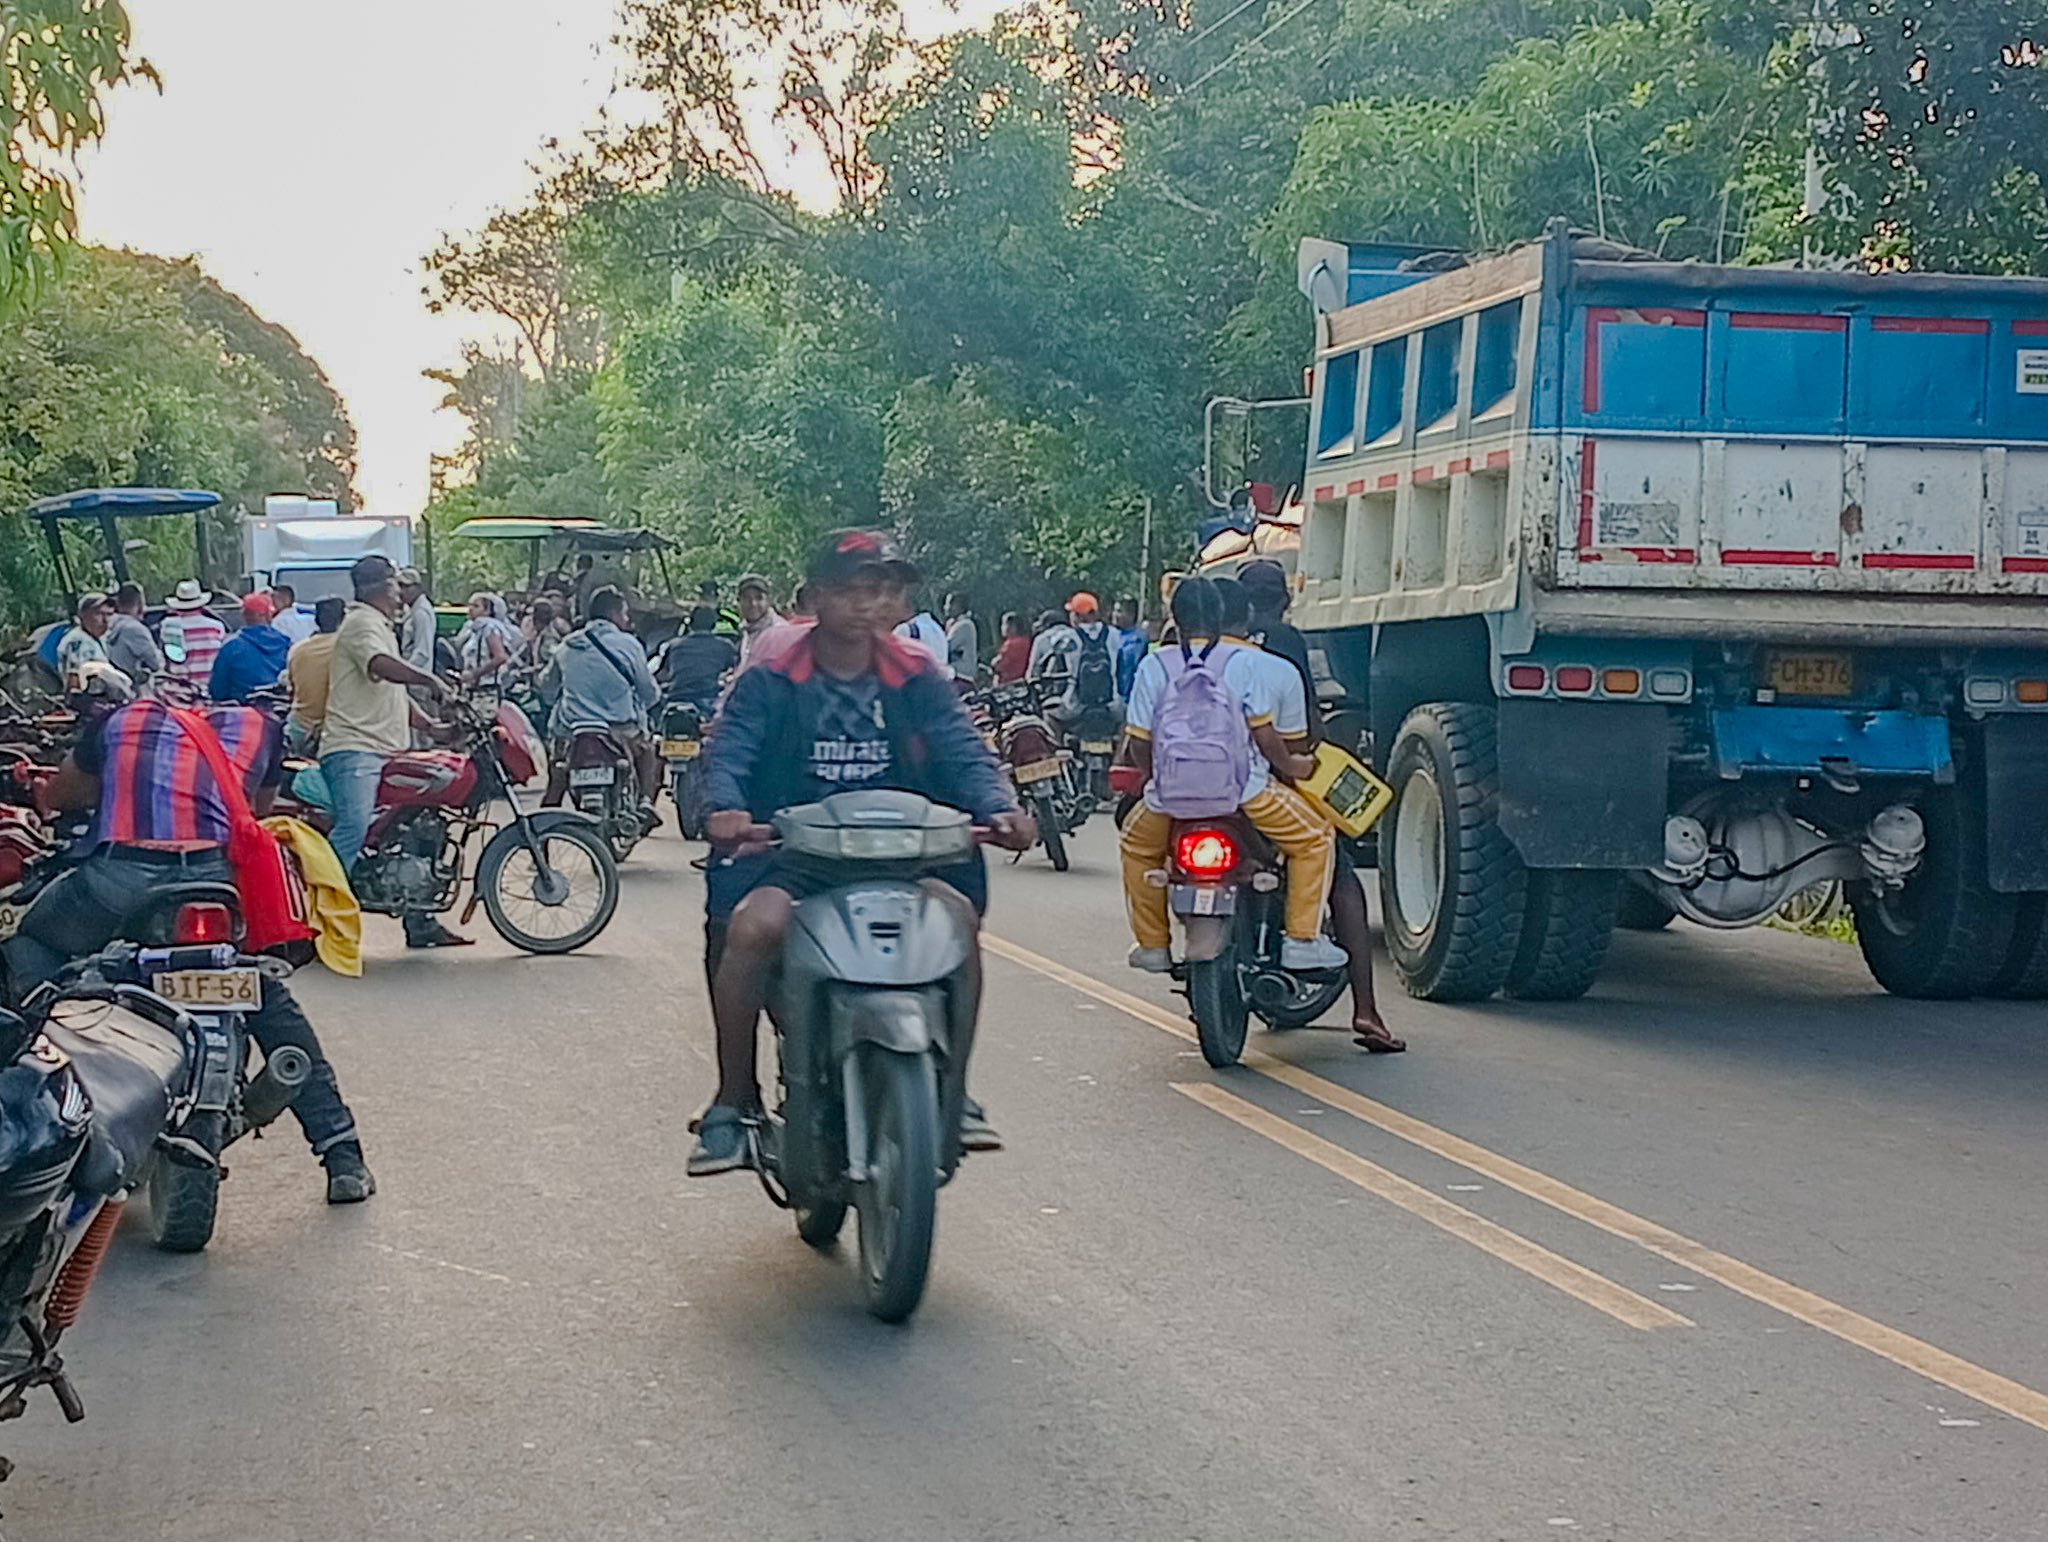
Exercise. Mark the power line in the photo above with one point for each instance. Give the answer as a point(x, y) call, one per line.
point(1210, 74)
point(1223, 21)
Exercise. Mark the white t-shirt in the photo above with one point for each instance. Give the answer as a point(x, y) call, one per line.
point(296, 623)
point(924, 629)
point(1247, 678)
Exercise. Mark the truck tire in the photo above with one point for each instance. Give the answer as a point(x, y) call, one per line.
point(1451, 883)
point(1947, 934)
point(1641, 911)
point(2025, 975)
point(1567, 924)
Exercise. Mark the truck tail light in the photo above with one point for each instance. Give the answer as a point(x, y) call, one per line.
point(1575, 679)
point(1526, 677)
point(1671, 684)
point(1621, 682)
point(2031, 693)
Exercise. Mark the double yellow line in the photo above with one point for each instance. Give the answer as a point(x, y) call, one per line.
point(1916, 1355)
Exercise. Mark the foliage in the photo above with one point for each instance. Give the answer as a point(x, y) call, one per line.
point(133, 370)
point(57, 58)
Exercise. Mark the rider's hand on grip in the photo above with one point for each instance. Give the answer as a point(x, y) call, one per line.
point(1014, 831)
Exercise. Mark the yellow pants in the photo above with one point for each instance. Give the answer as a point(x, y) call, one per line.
point(1281, 815)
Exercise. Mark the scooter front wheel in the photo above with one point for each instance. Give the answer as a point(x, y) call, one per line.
point(899, 1200)
point(555, 905)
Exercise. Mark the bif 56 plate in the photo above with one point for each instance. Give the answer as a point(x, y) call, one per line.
point(211, 990)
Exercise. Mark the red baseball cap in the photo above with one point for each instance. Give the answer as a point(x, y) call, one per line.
point(1084, 604)
point(258, 607)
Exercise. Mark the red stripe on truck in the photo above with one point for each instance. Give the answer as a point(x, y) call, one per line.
point(1782, 559)
point(1931, 560)
point(1953, 326)
point(1586, 473)
point(1774, 322)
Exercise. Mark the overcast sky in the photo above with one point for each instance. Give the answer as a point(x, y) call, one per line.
point(308, 154)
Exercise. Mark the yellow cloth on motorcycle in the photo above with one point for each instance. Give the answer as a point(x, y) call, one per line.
point(336, 918)
point(1345, 791)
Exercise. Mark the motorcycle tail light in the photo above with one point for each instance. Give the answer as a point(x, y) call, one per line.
point(1205, 854)
point(195, 924)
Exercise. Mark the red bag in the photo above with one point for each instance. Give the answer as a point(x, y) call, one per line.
point(276, 915)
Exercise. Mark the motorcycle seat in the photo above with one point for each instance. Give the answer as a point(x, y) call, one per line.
point(129, 1067)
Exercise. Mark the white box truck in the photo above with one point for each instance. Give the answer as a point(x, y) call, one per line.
point(310, 544)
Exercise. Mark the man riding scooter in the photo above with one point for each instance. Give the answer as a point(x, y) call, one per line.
point(844, 707)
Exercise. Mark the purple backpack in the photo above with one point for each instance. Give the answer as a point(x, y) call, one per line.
point(1201, 745)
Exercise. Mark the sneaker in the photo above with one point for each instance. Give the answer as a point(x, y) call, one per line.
point(722, 1145)
point(432, 934)
point(976, 1133)
point(349, 1181)
point(1313, 956)
point(1151, 960)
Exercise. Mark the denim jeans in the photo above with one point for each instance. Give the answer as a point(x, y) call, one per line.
point(352, 777)
point(83, 910)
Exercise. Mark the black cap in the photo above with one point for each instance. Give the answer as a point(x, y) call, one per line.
point(845, 554)
point(1265, 580)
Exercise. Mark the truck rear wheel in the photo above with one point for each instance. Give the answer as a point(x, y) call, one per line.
point(1567, 924)
point(2025, 975)
point(1947, 933)
point(1451, 884)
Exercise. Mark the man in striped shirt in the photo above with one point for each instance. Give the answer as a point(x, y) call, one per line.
point(159, 820)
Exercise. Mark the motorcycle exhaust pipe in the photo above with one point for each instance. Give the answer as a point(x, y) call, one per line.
point(285, 1072)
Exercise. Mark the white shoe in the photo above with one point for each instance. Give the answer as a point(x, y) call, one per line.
point(1316, 954)
point(1151, 960)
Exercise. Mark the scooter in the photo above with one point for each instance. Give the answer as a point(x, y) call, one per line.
point(1227, 886)
point(873, 1026)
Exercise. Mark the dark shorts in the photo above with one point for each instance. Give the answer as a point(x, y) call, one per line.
point(726, 884)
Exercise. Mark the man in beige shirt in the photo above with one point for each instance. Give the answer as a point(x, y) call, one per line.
point(369, 719)
point(308, 669)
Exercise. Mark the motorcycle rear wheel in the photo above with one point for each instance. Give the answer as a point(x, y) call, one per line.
point(184, 1202)
point(688, 791)
point(1221, 1014)
point(898, 1202)
point(1049, 834)
point(506, 864)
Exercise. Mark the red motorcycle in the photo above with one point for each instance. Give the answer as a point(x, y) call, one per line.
point(546, 878)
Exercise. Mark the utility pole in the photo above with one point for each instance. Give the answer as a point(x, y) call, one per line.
point(1145, 568)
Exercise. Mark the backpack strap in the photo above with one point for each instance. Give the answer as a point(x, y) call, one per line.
point(200, 731)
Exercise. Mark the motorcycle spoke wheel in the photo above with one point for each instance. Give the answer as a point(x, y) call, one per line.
point(555, 909)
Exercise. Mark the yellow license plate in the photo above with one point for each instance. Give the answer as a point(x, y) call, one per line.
point(680, 749)
point(1037, 771)
point(1811, 674)
point(1098, 746)
point(10, 919)
point(218, 990)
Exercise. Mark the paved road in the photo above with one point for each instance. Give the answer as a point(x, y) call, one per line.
point(1736, 1247)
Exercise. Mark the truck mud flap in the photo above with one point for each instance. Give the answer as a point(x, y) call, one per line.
point(1584, 784)
point(2015, 792)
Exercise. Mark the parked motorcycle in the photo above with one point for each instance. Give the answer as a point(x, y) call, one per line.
point(1043, 774)
point(605, 784)
point(98, 1073)
point(545, 878)
point(873, 1032)
point(1227, 885)
point(682, 747)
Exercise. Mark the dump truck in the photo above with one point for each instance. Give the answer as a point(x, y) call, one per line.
point(1671, 589)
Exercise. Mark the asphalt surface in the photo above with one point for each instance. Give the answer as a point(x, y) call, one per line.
point(1183, 1305)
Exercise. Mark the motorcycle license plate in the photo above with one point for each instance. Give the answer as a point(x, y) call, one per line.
point(1200, 899)
point(592, 776)
point(10, 920)
point(680, 749)
point(1037, 771)
point(214, 990)
point(1097, 746)
point(1811, 674)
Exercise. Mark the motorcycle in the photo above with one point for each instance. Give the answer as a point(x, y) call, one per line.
point(100, 1074)
point(1227, 885)
point(682, 747)
point(1026, 742)
point(1092, 735)
point(873, 1033)
point(605, 784)
point(546, 878)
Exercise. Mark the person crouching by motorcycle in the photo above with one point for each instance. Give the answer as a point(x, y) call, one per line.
point(159, 821)
point(599, 679)
point(1274, 808)
point(1255, 608)
point(846, 706)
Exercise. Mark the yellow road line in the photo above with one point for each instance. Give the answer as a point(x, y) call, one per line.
point(1866, 1333)
point(1575, 1280)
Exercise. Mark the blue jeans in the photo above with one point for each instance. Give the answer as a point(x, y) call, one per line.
point(352, 777)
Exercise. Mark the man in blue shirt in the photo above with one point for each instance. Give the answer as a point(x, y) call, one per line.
point(1132, 644)
point(599, 679)
point(846, 706)
point(254, 657)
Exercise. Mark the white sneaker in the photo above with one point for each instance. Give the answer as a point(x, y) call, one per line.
point(1316, 954)
point(1151, 960)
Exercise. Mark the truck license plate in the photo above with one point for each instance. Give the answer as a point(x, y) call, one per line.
point(680, 749)
point(213, 990)
point(1037, 771)
point(592, 776)
point(1811, 674)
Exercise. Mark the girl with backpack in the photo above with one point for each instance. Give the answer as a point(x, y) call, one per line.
point(1202, 727)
